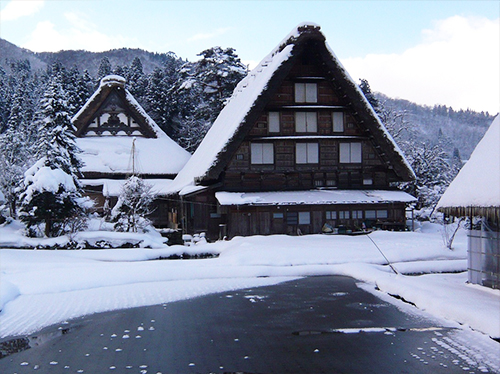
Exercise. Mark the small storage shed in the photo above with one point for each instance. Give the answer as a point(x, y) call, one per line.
point(475, 192)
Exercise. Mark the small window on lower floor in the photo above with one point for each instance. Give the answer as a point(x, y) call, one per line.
point(379, 214)
point(357, 214)
point(382, 213)
point(292, 218)
point(344, 214)
point(278, 215)
point(331, 214)
point(304, 218)
point(370, 214)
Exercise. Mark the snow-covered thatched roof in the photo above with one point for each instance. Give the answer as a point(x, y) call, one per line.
point(475, 191)
point(250, 97)
point(155, 152)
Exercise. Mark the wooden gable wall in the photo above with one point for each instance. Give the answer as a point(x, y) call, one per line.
point(109, 113)
point(113, 118)
point(286, 172)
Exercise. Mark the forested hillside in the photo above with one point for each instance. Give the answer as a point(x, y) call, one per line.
point(184, 98)
point(83, 60)
point(460, 129)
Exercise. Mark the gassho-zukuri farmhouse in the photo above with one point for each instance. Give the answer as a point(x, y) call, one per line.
point(296, 147)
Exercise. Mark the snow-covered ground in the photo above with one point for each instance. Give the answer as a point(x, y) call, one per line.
point(43, 287)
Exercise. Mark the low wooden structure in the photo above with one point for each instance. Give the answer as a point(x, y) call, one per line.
point(297, 146)
point(475, 193)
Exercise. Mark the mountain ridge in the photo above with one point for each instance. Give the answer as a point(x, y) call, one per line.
point(455, 129)
point(84, 60)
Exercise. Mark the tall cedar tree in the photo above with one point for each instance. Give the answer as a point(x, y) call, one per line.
point(162, 99)
point(52, 192)
point(205, 86)
point(136, 80)
point(16, 143)
point(104, 68)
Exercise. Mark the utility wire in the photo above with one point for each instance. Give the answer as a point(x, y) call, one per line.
point(382, 253)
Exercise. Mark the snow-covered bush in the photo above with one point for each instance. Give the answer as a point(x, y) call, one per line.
point(51, 203)
point(134, 204)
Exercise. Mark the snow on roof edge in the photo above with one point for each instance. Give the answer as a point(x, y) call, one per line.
point(478, 182)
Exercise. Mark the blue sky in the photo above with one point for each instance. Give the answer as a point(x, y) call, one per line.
point(431, 52)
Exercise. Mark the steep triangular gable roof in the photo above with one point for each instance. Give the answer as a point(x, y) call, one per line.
point(112, 91)
point(157, 153)
point(476, 188)
point(254, 91)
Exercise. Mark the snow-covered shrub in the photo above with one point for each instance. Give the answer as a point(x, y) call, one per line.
point(134, 204)
point(51, 203)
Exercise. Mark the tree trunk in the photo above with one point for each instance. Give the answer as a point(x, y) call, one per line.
point(48, 227)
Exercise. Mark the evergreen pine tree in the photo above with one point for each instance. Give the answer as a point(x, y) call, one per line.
point(57, 140)
point(52, 193)
point(205, 86)
point(104, 68)
point(455, 164)
point(122, 71)
point(16, 143)
point(215, 76)
point(367, 91)
point(162, 98)
point(136, 80)
point(78, 88)
point(4, 100)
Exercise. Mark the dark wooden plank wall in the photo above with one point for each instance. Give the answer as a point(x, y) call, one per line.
point(284, 173)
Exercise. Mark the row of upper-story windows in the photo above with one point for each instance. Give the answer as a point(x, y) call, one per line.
point(305, 153)
point(305, 122)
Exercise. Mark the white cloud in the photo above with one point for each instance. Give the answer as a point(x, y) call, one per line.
point(82, 34)
point(456, 64)
point(16, 9)
point(210, 35)
point(250, 63)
